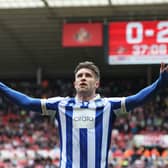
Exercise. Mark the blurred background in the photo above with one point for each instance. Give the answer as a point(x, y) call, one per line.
point(41, 42)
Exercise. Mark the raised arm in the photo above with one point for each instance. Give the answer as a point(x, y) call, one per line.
point(21, 99)
point(143, 95)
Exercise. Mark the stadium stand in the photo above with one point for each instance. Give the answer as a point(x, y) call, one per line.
point(29, 140)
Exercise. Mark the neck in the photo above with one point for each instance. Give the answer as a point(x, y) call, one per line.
point(85, 97)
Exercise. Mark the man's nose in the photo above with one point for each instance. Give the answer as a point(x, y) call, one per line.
point(83, 77)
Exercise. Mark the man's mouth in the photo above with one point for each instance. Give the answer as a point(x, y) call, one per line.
point(83, 84)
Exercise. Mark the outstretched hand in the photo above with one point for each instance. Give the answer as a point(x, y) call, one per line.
point(164, 72)
point(163, 68)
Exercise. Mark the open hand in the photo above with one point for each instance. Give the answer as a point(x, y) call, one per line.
point(163, 68)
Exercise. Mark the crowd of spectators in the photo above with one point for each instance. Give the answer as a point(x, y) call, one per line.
point(29, 140)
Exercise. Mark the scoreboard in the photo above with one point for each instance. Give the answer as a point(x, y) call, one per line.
point(138, 42)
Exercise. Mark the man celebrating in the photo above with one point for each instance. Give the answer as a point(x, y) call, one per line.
point(86, 120)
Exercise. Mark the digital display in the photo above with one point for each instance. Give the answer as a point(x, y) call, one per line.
point(138, 42)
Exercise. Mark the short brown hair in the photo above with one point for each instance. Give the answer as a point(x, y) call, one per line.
point(88, 65)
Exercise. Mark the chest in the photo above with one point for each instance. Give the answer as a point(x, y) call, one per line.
point(82, 116)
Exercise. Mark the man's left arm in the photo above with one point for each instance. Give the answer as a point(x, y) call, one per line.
point(145, 94)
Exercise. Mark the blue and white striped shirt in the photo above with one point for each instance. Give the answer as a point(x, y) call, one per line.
point(85, 129)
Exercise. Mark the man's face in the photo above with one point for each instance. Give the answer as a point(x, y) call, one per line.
point(86, 81)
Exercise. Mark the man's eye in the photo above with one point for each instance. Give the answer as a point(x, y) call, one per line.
point(88, 75)
point(79, 76)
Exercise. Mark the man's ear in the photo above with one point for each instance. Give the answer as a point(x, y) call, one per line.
point(97, 84)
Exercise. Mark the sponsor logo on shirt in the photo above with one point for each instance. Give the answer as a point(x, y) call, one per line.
point(84, 118)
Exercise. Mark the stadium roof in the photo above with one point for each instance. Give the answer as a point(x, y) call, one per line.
point(30, 37)
point(8, 4)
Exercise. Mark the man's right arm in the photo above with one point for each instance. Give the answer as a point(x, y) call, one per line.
point(21, 99)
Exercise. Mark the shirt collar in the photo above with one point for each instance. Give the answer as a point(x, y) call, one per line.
point(95, 98)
